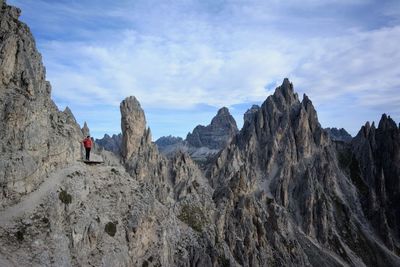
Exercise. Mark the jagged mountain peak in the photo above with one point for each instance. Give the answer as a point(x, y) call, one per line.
point(223, 111)
point(250, 113)
point(339, 134)
point(85, 129)
point(387, 122)
point(285, 92)
point(215, 135)
point(283, 112)
point(285, 159)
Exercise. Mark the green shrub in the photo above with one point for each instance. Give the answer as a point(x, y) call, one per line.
point(65, 197)
point(110, 228)
point(192, 216)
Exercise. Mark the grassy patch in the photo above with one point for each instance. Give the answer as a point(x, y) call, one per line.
point(65, 197)
point(110, 228)
point(20, 235)
point(193, 216)
point(224, 262)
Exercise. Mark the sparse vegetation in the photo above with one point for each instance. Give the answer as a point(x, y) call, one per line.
point(65, 197)
point(115, 171)
point(110, 228)
point(20, 234)
point(224, 262)
point(193, 216)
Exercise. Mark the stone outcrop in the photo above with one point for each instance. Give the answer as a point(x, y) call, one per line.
point(85, 130)
point(339, 134)
point(111, 143)
point(250, 113)
point(216, 135)
point(35, 137)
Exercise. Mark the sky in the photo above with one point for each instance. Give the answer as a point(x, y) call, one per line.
point(185, 59)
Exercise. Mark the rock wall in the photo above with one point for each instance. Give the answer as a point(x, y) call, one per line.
point(375, 168)
point(35, 136)
point(111, 143)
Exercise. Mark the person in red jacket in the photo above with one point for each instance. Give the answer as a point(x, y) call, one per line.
point(87, 143)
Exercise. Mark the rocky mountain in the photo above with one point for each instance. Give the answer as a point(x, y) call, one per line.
point(339, 134)
point(170, 140)
point(216, 135)
point(280, 193)
point(250, 113)
point(111, 143)
point(205, 141)
point(283, 200)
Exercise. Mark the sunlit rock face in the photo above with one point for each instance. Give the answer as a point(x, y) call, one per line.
point(35, 137)
point(133, 125)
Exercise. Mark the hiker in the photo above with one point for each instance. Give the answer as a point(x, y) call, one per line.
point(87, 143)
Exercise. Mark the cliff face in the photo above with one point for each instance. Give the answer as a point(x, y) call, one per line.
point(35, 137)
point(377, 167)
point(111, 143)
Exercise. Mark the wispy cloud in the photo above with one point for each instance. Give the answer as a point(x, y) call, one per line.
point(181, 55)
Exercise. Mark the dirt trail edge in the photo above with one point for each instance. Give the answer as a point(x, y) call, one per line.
point(30, 201)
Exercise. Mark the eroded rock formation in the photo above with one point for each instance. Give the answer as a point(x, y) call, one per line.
point(281, 197)
point(35, 137)
point(339, 134)
point(216, 135)
point(376, 171)
point(111, 143)
point(205, 141)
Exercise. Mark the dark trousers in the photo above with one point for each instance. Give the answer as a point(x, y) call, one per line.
point(87, 153)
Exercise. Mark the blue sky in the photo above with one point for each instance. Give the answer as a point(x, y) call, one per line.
point(185, 59)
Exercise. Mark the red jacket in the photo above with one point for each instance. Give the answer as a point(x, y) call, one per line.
point(87, 143)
